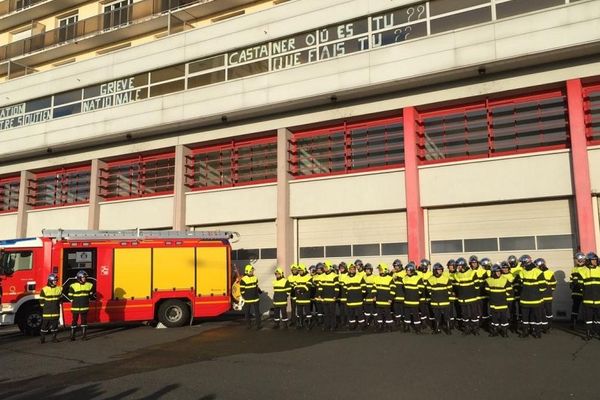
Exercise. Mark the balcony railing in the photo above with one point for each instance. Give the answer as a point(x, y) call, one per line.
point(95, 25)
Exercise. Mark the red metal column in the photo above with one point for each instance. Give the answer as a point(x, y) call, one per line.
point(414, 211)
point(580, 165)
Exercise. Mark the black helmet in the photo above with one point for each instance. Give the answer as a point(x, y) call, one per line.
point(504, 264)
point(473, 259)
point(425, 263)
point(525, 260)
point(580, 258)
point(367, 265)
point(319, 266)
point(496, 268)
point(411, 266)
point(450, 262)
point(512, 261)
point(342, 265)
point(81, 274)
point(437, 266)
point(397, 263)
point(359, 263)
point(485, 263)
point(539, 262)
point(52, 279)
point(591, 256)
point(461, 262)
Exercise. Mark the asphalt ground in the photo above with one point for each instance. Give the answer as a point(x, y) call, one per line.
point(221, 359)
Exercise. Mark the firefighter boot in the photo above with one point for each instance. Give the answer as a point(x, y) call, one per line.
point(84, 333)
point(588, 333)
point(493, 331)
point(285, 325)
point(475, 329)
point(54, 339)
point(73, 329)
point(573, 322)
point(418, 328)
point(42, 337)
point(434, 328)
point(276, 325)
point(524, 331)
point(448, 328)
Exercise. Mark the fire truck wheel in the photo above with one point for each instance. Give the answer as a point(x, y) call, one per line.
point(174, 313)
point(30, 320)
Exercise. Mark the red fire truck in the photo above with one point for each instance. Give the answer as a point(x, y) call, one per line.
point(168, 276)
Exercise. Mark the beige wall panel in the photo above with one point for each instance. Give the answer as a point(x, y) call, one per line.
point(351, 230)
point(257, 235)
point(507, 220)
point(8, 226)
point(348, 194)
point(594, 159)
point(231, 205)
point(496, 179)
point(62, 217)
point(137, 213)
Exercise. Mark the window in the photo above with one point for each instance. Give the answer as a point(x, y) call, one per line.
point(117, 13)
point(144, 176)
point(312, 252)
point(17, 261)
point(592, 113)
point(75, 260)
point(67, 28)
point(461, 20)
point(495, 127)
point(338, 251)
point(268, 254)
point(391, 249)
point(60, 187)
point(9, 194)
point(517, 243)
point(233, 164)
point(446, 246)
point(366, 250)
point(555, 242)
point(347, 148)
point(490, 244)
point(248, 254)
point(516, 7)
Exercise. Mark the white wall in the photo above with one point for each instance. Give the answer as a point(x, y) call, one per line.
point(8, 226)
point(144, 213)
point(352, 193)
point(534, 175)
point(246, 203)
point(75, 217)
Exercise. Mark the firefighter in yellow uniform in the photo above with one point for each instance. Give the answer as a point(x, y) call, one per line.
point(424, 306)
point(550, 288)
point(355, 289)
point(292, 280)
point(466, 284)
point(398, 304)
point(440, 291)
point(590, 281)
point(499, 289)
point(505, 269)
point(302, 289)
point(451, 264)
point(532, 297)
point(342, 276)
point(80, 294)
point(383, 289)
point(576, 287)
point(369, 303)
point(483, 272)
point(327, 293)
point(50, 303)
point(281, 290)
point(318, 302)
point(251, 295)
point(412, 287)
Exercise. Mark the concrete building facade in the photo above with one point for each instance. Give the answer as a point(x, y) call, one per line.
point(342, 129)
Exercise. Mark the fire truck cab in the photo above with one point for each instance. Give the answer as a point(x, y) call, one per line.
point(168, 276)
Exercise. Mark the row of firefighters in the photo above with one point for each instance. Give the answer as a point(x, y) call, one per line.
point(466, 295)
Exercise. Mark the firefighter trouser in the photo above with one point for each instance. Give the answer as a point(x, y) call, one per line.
point(456, 308)
point(384, 313)
point(484, 308)
point(49, 325)
point(398, 307)
point(442, 313)
point(76, 316)
point(355, 314)
point(532, 315)
point(499, 318)
point(303, 311)
point(369, 309)
point(280, 314)
point(319, 308)
point(294, 310)
point(591, 315)
point(425, 315)
point(411, 314)
point(470, 312)
point(256, 308)
point(343, 313)
point(576, 306)
point(547, 316)
point(329, 314)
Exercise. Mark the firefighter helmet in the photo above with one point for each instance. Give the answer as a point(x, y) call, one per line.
point(496, 268)
point(410, 267)
point(591, 256)
point(485, 263)
point(279, 271)
point(461, 262)
point(397, 263)
point(52, 279)
point(438, 266)
point(367, 266)
point(451, 262)
point(473, 259)
point(580, 257)
point(383, 267)
point(525, 260)
point(81, 275)
point(358, 263)
point(540, 262)
point(425, 263)
point(512, 261)
point(248, 269)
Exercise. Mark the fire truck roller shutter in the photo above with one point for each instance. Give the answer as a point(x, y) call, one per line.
point(174, 268)
point(211, 271)
point(132, 274)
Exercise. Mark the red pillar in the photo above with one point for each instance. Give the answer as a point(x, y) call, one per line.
point(414, 211)
point(581, 169)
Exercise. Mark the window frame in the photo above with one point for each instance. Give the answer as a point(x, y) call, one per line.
point(12, 181)
point(32, 189)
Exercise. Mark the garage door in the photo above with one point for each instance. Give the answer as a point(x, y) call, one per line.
point(540, 229)
point(373, 238)
point(258, 246)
